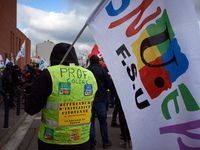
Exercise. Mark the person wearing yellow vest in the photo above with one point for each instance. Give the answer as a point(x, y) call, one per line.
point(65, 94)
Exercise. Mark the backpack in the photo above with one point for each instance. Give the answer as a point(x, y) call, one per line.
point(7, 76)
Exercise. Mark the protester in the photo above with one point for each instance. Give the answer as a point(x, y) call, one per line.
point(28, 76)
point(19, 73)
point(29, 82)
point(24, 74)
point(0, 82)
point(123, 124)
point(114, 114)
point(112, 100)
point(124, 129)
point(107, 99)
point(57, 90)
point(38, 72)
point(116, 106)
point(99, 105)
point(10, 81)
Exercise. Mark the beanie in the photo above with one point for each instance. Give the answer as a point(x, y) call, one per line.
point(59, 51)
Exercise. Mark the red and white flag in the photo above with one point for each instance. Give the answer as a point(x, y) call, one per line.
point(95, 51)
point(151, 48)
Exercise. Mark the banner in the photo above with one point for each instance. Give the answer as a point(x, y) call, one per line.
point(21, 52)
point(151, 49)
point(43, 64)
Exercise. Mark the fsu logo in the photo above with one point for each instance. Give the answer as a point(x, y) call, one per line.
point(159, 58)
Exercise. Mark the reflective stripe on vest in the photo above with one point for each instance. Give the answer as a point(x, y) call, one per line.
point(52, 106)
point(55, 123)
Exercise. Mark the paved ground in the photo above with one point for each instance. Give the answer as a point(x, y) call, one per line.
point(22, 131)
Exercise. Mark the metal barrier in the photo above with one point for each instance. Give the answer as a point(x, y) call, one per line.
point(21, 96)
point(18, 101)
point(6, 115)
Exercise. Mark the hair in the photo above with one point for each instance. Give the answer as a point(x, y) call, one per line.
point(94, 59)
point(9, 65)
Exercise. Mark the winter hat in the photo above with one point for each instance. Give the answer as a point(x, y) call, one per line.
point(59, 51)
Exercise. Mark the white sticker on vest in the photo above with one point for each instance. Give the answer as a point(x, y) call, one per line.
point(74, 134)
point(64, 88)
point(88, 90)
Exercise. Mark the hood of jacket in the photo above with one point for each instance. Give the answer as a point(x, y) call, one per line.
point(59, 51)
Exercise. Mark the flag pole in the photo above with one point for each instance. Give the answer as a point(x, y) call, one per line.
point(24, 51)
point(93, 15)
point(73, 44)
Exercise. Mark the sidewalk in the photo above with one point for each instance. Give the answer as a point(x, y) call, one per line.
point(14, 121)
point(23, 130)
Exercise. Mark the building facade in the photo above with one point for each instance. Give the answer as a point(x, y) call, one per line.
point(43, 50)
point(82, 61)
point(11, 38)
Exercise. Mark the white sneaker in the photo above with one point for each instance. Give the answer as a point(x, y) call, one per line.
point(124, 145)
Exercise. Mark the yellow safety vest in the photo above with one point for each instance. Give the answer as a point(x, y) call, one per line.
point(66, 116)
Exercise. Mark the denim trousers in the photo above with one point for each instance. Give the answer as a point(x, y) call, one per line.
point(100, 110)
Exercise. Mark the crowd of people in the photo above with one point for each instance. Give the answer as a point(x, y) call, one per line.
point(13, 77)
point(54, 90)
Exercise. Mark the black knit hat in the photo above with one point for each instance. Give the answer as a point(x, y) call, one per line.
point(59, 52)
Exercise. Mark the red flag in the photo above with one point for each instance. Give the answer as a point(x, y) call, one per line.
point(95, 51)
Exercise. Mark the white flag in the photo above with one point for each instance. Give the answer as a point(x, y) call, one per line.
point(21, 52)
point(151, 48)
point(1, 62)
point(43, 64)
point(7, 61)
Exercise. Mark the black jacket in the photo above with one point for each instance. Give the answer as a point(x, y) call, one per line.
point(103, 81)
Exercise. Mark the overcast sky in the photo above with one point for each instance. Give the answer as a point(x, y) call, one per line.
point(59, 21)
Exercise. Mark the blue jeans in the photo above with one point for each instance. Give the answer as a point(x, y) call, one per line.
point(100, 110)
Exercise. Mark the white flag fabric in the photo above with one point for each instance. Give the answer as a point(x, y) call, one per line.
point(21, 52)
point(43, 64)
point(7, 61)
point(1, 61)
point(151, 48)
